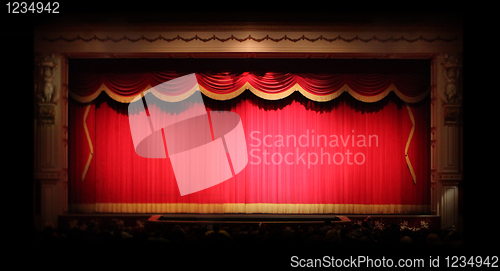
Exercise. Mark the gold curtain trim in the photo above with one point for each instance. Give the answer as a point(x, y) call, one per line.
point(268, 208)
point(129, 99)
point(111, 94)
point(86, 168)
point(168, 98)
point(257, 92)
point(224, 97)
point(408, 163)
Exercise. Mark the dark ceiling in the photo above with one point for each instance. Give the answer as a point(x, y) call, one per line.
point(130, 14)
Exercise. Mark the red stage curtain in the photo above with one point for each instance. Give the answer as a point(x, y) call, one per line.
point(302, 158)
point(280, 177)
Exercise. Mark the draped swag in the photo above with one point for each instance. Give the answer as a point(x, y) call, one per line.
point(369, 83)
point(383, 104)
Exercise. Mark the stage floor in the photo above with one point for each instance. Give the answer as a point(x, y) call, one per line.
point(241, 218)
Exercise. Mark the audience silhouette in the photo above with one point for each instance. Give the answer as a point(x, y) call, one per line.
point(252, 235)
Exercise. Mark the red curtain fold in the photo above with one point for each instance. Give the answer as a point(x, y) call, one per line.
point(305, 169)
point(270, 83)
point(412, 85)
point(302, 158)
point(321, 84)
point(366, 85)
point(159, 77)
point(222, 83)
point(82, 190)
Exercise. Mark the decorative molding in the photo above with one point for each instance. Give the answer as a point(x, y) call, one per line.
point(47, 94)
point(450, 179)
point(433, 176)
point(433, 133)
point(451, 114)
point(250, 38)
point(46, 91)
point(46, 113)
point(451, 94)
point(433, 155)
point(434, 207)
point(47, 175)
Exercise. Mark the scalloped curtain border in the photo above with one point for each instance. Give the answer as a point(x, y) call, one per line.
point(258, 93)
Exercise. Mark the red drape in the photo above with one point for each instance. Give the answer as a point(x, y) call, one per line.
point(301, 154)
point(370, 83)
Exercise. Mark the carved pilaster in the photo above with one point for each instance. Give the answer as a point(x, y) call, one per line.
point(434, 139)
point(47, 113)
point(451, 94)
point(46, 93)
point(50, 151)
point(446, 148)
